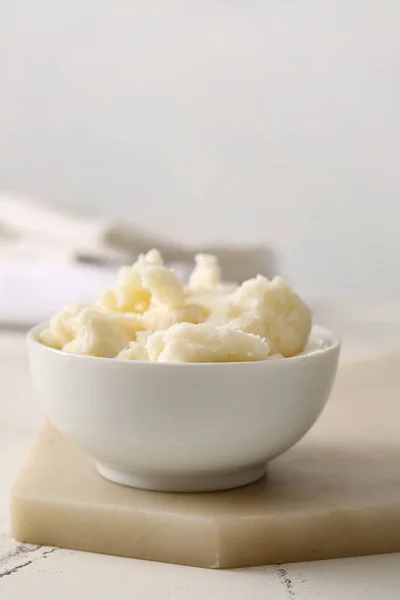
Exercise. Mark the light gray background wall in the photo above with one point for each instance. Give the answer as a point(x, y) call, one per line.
point(274, 121)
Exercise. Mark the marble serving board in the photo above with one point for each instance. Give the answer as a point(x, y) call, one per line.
point(335, 494)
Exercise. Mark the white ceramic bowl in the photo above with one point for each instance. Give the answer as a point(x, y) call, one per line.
point(183, 427)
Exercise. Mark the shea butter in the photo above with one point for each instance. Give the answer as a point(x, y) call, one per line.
point(150, 315)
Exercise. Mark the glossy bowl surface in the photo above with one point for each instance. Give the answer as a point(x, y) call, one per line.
point(183, 427)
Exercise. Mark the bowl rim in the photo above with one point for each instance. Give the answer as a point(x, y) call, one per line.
point(333, 346)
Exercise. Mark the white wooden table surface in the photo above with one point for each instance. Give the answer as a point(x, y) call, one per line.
point(54, 574)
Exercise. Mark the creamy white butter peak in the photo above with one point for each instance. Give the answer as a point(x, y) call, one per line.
point(150, 315)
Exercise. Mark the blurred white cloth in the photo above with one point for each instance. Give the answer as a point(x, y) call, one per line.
point(31, 292)
point(49, 258)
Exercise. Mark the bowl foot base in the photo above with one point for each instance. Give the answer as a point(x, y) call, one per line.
point(208, 482)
